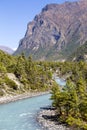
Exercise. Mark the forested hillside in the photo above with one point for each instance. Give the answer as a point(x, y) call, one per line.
point(28, 75)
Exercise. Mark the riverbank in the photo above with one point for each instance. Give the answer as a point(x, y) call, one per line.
point(7, 99)
point(47, 119)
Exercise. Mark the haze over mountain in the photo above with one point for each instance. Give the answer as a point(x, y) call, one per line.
point(56, 32)
point(6, 49)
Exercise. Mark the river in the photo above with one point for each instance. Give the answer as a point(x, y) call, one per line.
point(21, 115)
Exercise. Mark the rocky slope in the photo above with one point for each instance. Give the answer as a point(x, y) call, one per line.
point(79, 54)
point(56, 32)
point(6, 49)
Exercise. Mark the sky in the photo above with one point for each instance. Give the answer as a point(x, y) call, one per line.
point(14, 17)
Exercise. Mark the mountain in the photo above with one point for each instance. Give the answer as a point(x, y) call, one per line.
point(79, 54)
point(56, 32)
point(6, 49)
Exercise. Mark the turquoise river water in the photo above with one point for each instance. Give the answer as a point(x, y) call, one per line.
point(21, 115)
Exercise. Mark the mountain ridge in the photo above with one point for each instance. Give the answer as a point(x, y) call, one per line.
point(56, 32)
point(6, 49)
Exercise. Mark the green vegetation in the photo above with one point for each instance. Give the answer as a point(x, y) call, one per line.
point(71, 101)
point(80, 53)
point(29, 74)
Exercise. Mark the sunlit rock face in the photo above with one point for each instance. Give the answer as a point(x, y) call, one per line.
point(56, 32)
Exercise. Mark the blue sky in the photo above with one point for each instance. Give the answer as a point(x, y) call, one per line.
point(14, 17)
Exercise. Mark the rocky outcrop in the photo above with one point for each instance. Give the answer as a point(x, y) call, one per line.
point(56, 32)
point(47, 120)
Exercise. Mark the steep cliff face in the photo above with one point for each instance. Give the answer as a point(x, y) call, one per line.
point(56, 32)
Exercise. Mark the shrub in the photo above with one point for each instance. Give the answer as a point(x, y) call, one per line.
point(11, 83)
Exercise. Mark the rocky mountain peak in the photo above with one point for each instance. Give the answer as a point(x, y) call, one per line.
point(56, 32)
